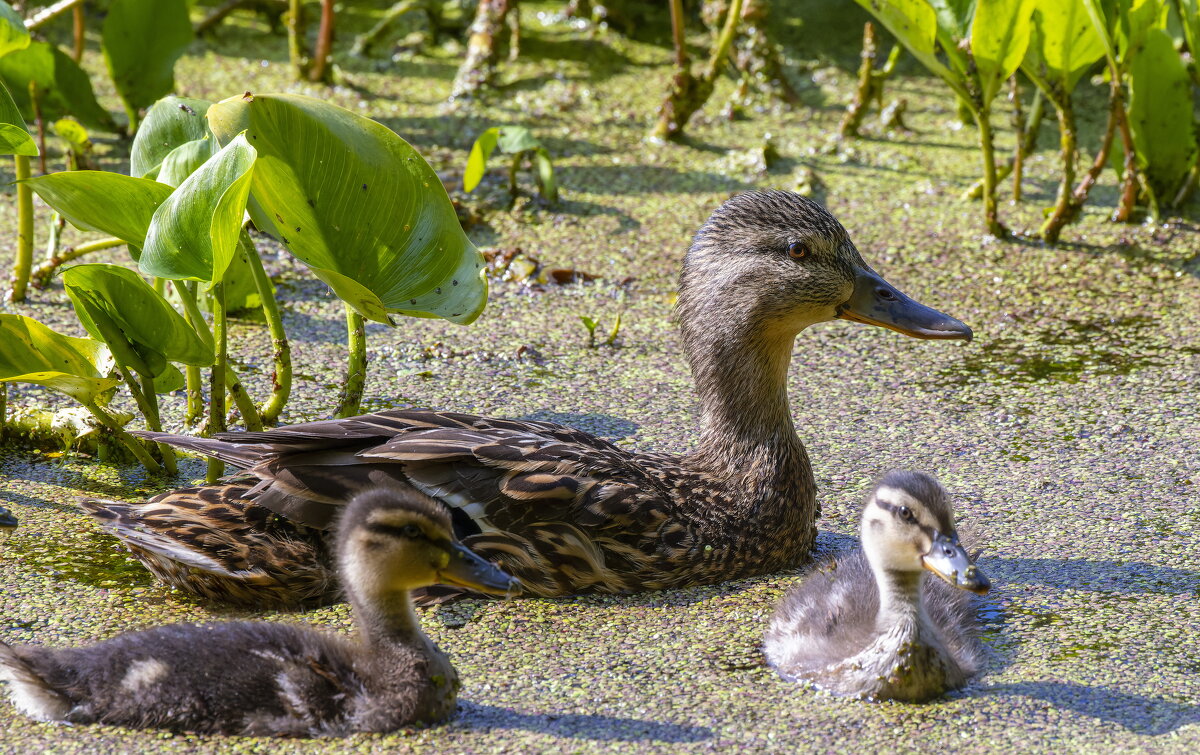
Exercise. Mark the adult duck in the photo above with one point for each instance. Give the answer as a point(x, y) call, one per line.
point(561, 510)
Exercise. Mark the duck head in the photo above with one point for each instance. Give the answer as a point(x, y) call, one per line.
point(8, 523)
point(779, 262)
point(908, 527)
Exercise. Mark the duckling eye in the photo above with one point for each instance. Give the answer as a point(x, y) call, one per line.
point(797, 250)
point(905, 513)
point(411, 531)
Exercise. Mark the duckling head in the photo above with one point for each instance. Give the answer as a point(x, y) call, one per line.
point(394, 540)
point(908, 527)
point(777, 262)
point(8, 523)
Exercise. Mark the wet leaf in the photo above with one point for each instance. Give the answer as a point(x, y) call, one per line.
point(32, 353)
point(358, 205)
point(141, 40)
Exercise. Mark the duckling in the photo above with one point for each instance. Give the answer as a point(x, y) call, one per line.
point(260, 678)
point(868, 624)
point(8, 523)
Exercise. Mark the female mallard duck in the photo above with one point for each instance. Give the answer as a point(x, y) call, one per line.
point(868, 624)
point(8, 523)
point(561, 510)
point(260, 678)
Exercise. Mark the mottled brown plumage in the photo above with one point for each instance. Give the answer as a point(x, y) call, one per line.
point(264, 678)
point(562, 510)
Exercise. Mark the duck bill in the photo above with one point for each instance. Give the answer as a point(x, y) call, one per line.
point(949, 560)
point(466, 569)
point(877, 302)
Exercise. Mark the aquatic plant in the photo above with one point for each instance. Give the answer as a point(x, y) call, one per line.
point(521, 144)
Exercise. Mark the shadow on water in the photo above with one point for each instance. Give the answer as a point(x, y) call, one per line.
point(601, 425)
point(592, 726)
point(1139, 714)
point(1101, 576)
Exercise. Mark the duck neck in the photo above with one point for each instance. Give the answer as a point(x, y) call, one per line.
point(746, 421)
point(899, 598)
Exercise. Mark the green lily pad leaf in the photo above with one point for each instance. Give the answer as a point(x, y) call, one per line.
point(356, 203)
point(15, 138)
point(183, 161)
point(13, 34)
point(1160, 114)
point(32, 353)
point(999, 38)
point(517, 139)
point(1063, 44)
point(481, 150)
point(117, 306)
point(142, 39)
point(96, 200)
point(194, 234)
point(954, 17)
point(63, 88)
point(169, 123)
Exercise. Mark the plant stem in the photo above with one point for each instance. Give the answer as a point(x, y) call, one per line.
point(677, 34)
point(195, 396)
point(35, 102)
point(362, 44)
point(147, 401)
point(24, 258)
point(77, 32)
point(321, 70)
point(1029, 140)
point(42, 275)
point(281, 378)
point(983, 117)
point(687, 92)
point(1018, 123)
point(1129, 179)
point(3, 406)
point(857, 109)
point(479, 63)
point(356, 365)
point(295, 28)
point(216, 397)
point(233, 384)
point(1115, 105)
point(135, 447)
point(1067, 143)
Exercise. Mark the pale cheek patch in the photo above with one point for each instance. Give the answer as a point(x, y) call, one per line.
point(144, 673)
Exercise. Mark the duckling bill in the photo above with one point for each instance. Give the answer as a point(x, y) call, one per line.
point(260, 678)
point(868, 624)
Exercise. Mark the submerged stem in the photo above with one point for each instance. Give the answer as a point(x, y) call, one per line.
point(135, 447)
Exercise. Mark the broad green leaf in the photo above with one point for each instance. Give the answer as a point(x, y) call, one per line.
point(15, 138)
point(241, 292)
point(517, 139)
point(169, 381)
point(999, 37)
point(1160, 114)
point(63, 88)
point(1103, 15)
point(96, 200)
point(481, 150)
point(73, 133)
point(194, 234)
point(169, 123)
point(915, 25)
point(117, 306)
point(954, 17)
point(1139, 17)
point(358, 205)
point(13, 34)
point(142, 39)
point(1189, 11)
point(545, 173)
point(1065, 43)
point(32, 353)
point(183, 161)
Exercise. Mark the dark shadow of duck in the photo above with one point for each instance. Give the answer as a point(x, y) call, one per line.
point(591, 726)
point(1140, 714)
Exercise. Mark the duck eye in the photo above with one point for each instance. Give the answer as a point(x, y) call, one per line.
point(797, 250)
point(905, 513)
point(411, 530)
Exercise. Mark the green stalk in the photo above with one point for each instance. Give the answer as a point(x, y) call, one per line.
point(24, 259)
point(42, 275)
point(281, 379)
point(135, 447)
point(356, 366)
point(233, 384)
point(216, 399)
point(195, 397)
point(1062, 206)
point(147, 401)
point(295, 28)
point(3, 406)
point(983, 117)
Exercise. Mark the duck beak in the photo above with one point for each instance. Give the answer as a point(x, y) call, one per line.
point(877, 302)
point(949, 560)
point(466, 569)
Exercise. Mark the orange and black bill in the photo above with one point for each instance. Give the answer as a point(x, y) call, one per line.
point(877, 302)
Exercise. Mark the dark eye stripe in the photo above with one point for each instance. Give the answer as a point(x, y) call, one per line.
point(407, 531)
point(895, 510)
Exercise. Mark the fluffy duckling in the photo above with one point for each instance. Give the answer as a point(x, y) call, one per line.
point(8, 523)
point(868, 624)
point(260, 678)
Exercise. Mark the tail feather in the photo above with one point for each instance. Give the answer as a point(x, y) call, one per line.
point(237, 454)
point(29, 692)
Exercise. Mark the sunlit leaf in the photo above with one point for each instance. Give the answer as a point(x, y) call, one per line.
point(13, 34)
point(15, 138)
point(194, 233)
point(73, 133)
point(141, 40)
point(999, 36)
point(358, 205)
point(545, 172)
point(481, 150)
point(915, 25)
point(63, 88)
point(1064, 45)
point(517, 139)
point(183, 161)
point(116, 306)
point(32, 353)
point(169, 123)
point(1160, 114)
point(96, 200)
